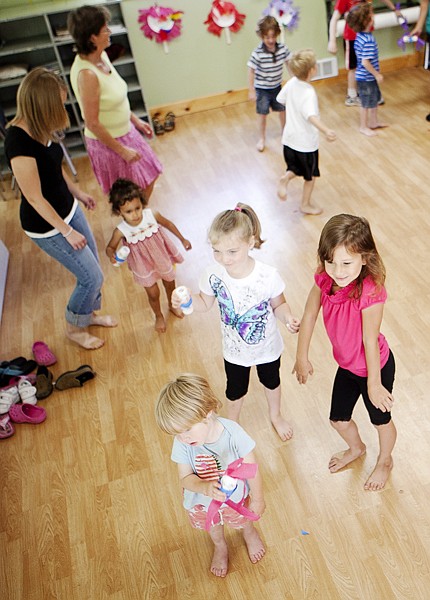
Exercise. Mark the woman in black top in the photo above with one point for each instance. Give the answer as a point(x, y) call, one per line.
point(50, 213)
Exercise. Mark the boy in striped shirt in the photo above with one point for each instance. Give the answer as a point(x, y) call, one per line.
point(265, 68)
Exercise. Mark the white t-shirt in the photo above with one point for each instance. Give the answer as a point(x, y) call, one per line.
point(301, 102)
point(250, 332)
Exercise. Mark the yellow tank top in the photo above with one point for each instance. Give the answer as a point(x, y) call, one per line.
point(114, 107)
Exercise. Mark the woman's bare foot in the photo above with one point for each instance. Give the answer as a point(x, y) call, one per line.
point(339, 461)
point(160, 324)
point(103, 320)
point(311, 209)
point(219, 563)
point(254, 544)
point(83, 338)
point(260, 145)
point(283, 428)
point(177, 312)
point(379, 475)
point(282, 187)
point(367, 131)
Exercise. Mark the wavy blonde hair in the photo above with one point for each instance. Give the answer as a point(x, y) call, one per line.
point(184, 402)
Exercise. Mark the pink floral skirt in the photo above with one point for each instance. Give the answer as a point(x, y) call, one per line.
point(108, 166)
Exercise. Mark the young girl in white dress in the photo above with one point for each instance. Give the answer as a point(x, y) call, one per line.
point(153, 255)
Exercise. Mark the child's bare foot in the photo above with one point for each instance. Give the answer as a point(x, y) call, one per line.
point(311, 209)
point(367, 131)
point(219, 563)
point(103, 320)
point(339, 461)
point(260, 145)
point(379, 475)
point(160, 324)
point(379, 126)
point(177, 312)
point(83, 338)
point(283, 428)
point(282, 187)
point(254, 544)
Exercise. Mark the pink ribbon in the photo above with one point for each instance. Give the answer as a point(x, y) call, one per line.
point(239, 470)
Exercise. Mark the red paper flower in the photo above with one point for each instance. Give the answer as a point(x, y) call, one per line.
point(224, 15)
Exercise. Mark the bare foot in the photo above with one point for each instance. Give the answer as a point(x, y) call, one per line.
point(282, 187)
point(83, 338)
point(283, 428)
point(254, 544)
point(367, 131)
point(219, 563)
point(338, 461)
point(103, 320)
point(177, 312)
point(379, 126)
point(311, 209)
point(160, 324)
point(260, 145)
point(379, 476)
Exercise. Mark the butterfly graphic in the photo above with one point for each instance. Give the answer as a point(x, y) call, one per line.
point(251, 326)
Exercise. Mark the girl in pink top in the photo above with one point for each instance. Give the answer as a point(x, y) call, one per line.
point(349, 286)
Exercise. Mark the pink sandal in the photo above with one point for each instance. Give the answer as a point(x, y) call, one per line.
point(6, 427)
point(27, 413)
point(43, 355)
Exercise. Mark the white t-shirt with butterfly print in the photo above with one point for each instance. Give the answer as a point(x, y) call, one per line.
point(211, 460)
point(249, 328)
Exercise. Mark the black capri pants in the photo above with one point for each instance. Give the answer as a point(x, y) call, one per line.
point(238, 378)
point(347, 388)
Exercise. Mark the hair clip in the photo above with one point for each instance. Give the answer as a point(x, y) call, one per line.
point(239, 208)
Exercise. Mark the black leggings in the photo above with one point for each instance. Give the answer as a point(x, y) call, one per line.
point(238, 378)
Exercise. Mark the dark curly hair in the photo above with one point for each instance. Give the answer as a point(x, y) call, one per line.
point(359, 16)
point(355, 234)
point(85, 22)
point(124, 190)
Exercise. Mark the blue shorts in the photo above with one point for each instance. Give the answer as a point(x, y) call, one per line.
point(266, 99)
point(369, 93)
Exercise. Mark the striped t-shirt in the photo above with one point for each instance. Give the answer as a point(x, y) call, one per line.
point(365, 47)
point(268, 66)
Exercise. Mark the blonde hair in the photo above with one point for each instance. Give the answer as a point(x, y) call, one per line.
point(241, 220)
point(40, 105)
point(184, 402)
point(301, 62)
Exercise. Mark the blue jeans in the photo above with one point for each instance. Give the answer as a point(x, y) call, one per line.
point(84, 264)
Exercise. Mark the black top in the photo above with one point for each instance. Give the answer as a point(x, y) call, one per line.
point(54, 188)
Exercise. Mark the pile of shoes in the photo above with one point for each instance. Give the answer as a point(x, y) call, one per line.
point(168, 125)
point(20, 389)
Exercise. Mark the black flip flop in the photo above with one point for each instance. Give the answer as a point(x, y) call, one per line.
point(14, 368)
point(75, 378)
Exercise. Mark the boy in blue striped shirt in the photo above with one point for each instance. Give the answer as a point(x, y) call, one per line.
point(367, 75)
point(265, 68)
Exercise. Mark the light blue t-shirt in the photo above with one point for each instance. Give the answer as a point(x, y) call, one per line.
point(210, 460)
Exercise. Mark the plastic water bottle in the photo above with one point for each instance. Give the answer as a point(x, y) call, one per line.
point(410, 38)
point(186, 300)
point(121, 255)
point(228, 485)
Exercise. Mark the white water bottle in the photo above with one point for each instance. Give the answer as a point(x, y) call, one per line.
point(121, 255)
point(228, 485)
point(186, 300)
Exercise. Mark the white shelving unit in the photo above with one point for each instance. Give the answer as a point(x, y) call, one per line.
point(36, 40)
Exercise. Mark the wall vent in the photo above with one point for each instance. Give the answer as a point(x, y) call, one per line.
point(327, 67)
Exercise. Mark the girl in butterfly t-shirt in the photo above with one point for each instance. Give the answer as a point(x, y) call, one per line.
point(250, 299)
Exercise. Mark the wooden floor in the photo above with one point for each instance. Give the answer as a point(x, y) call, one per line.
point(90, 505)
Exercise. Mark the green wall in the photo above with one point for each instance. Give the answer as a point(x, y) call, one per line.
point(200, 64)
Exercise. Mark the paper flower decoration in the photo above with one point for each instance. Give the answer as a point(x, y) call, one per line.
point(224, 16)
point(161, 23)
point(285, 13)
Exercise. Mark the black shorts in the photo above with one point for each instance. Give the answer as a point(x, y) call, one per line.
point(238, 378)
point(347, 388)
point(350, 55)
point(303, 164)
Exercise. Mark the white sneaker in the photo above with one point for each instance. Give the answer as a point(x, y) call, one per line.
point(352, 101)
point(381, 101)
